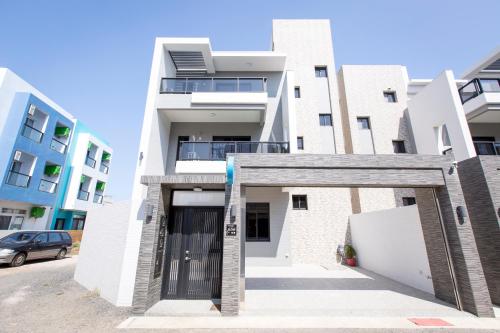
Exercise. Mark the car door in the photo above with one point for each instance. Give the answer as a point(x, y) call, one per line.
point(55, 244)
point(38, 247)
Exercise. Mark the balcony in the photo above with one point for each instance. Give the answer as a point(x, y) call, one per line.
point(58, 146)
point(18, 179)
point(477, 87)
point(481, 100)
point(98, 198)
point(47, 186)
point(104, 168)
point(32, 133)
point(210, 156)
point(214, 84)
point(83, 195)
point(90, 162)
point(487, 147)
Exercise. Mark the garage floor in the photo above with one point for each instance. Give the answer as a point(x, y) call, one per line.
point(309, 290)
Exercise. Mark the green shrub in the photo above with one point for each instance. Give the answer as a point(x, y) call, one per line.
point(37, 212)
point(349, 252)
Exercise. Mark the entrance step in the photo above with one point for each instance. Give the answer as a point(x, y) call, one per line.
point(185, 308)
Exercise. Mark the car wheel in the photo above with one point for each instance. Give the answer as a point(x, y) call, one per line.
point(61, 254)
point(18, 260)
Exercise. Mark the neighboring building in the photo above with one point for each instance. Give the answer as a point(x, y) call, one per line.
point(53, 167)
point(260, 159)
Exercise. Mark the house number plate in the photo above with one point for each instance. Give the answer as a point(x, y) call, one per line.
point(231, 230)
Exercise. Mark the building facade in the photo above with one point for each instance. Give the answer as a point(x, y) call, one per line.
point(260, 158)
point(53, 167)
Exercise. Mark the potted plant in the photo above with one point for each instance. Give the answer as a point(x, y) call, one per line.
point(350, 255)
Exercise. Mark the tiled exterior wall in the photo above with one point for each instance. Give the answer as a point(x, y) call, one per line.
point(480, 181)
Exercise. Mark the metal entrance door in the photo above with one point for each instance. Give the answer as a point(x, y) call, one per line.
point(193, 256)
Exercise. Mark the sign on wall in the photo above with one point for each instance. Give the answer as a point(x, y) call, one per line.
point(161, 246)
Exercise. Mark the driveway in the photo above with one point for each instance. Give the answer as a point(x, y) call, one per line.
point(42, 296)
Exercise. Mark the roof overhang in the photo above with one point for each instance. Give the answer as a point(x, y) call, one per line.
point(488, 66)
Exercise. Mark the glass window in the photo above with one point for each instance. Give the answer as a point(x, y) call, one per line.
point(399, 146)
point(299, 202)
point(320, 71)
point(325, 119)
point(41, 238)
point(490, 85)
point(390, 96)
point(65, 236)
point(408, 201)
point(363, 123)
point(54, 237)
point(257, 222)
point(297, 92)
point(300, 142)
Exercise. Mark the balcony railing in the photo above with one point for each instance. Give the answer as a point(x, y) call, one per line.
point(90, 162)
point(98, 198)
point(478, 86)
point(18, 179)
point(104, 168)
point(32, 133)
point(217, 150)
point(214, 84)
point(58, 146)
point(83, 195)
point(487, 147)
point(47, 186)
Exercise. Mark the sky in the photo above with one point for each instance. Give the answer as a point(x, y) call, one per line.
point(93, 57)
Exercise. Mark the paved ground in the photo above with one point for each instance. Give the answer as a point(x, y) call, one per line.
point(42, 296)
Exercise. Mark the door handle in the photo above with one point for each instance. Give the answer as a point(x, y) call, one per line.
point(187, 258)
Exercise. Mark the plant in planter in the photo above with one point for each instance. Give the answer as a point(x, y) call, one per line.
point(37, 212)
point(350, 255)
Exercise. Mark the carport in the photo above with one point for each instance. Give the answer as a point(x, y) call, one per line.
point(456, 270)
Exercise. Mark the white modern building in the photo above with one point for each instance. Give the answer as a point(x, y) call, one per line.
point(54, 169)
point(273, 159)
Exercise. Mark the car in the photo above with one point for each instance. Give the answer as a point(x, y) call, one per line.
point(18, 247)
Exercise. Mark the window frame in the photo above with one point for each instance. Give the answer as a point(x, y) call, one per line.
point(301, 140)
point(259, 208)
point(322, 117)
point(398, 142)
point(369, 127)
point(296, 198)
point(296, 92)
point(407, 199)
point(318, 70)
point(392, 93)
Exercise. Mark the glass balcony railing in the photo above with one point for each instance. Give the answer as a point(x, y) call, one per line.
point(32, 133)
point(104, 168)
point(98, 198)
point(487, 147)
point(18, 179)
point(47, 186)
point(217, 150)
point(83, 195)
point(90, 162)
point(214, 84)
point(478, 86)
point(58, 146)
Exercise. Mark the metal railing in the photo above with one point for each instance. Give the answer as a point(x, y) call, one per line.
point(18, 179)
point(98, 198)
point(32, 133)
point(217, 150)
point(58, 146)
point(478, 86)
point(212, 84)
point(47, 186)
point(487, 147)
point(90, 162)
point(83, 195)
point(104, 168)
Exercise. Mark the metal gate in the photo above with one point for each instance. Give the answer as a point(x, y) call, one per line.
point(193, 256)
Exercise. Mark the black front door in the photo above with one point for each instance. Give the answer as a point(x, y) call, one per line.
point(193, 255)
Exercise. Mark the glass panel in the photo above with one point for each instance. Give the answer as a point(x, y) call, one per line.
point(225, 85)
point(485, 148)
point(4, 222)
point(199, 85)
point(83, 195)
point(263, 226)
point(468, 91)
point(173, 85)
point(251, 226)
point(90, 161)
point(363, 123)
point(18, 179)
point(58, 146)
point(47, 186)
point(251, 85)
point(490, 85)
point(32, 133)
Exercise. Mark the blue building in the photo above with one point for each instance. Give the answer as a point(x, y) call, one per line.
point(53, 169)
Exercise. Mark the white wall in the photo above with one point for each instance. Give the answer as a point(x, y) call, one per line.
point(101, 250)
point(435, 105)
point(391, 243)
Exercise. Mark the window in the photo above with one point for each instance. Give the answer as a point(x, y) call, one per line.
point(399, 146)
point(300, 143)
point(325, 119)
point(257, 225)
point(320, 71)
point(297, 92)
point(408, 201)
point(299, 202)
point(41, 238)
point(65, 236)
point(390, 96)
point(54, 237)
point(363, 123)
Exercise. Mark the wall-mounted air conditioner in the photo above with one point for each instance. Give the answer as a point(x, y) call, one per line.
point(17, 155)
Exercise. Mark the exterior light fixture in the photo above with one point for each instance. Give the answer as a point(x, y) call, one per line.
point(197, 189)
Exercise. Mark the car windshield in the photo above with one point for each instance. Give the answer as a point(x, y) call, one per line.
point(19, 237)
